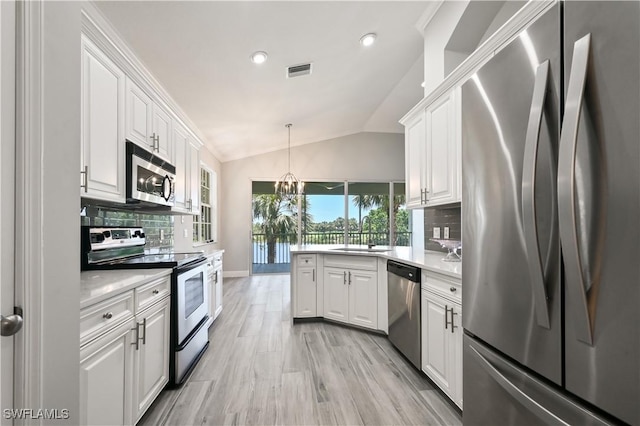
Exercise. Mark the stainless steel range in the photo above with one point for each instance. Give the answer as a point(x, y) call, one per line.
point(123, 248)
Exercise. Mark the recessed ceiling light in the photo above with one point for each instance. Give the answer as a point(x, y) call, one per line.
point(368, 39)
point(259, 57)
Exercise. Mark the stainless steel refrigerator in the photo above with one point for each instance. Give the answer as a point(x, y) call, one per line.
point(551, 219)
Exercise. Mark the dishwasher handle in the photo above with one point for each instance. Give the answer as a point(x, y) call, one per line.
point(408, 272)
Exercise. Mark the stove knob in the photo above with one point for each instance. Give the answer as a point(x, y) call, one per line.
point(137, 234)
point(107, 234)
point(142, 235)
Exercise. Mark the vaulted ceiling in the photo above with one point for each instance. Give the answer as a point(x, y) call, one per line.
point(200, 50)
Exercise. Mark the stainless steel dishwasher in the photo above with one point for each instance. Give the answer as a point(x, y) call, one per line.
point(404, 309)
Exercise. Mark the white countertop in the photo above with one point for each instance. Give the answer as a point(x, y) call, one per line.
point(96, 286)
point(429, 260)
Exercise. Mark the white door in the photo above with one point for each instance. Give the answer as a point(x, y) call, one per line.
point(363, 298)
point(180, 144)
point(437, 350)
point(306, 292)
point(414, 159)
point(336, 295)
point(162, 131)
point(152, 357)
point(7, 148)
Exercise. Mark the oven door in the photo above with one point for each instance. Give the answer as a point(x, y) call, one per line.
point(192, 299)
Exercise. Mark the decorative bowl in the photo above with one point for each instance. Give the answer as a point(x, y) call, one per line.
point(453, 246)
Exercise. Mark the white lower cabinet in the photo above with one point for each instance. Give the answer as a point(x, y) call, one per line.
point(126, 366)
point(442, 343)
point(306, 292)
point(351, 296)
point(215, 285)
point(336, 294)
point(106, 365)
point(151, 356)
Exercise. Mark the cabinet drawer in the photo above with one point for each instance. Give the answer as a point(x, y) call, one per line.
point(152, 292)
point(365, 263)
point(97, 319)
point(442, 285)
point(215, 260)
point(306, 259)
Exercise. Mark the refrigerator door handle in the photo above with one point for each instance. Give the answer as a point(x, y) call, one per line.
point(534, 407)
point(528, 195)
point(577, 307)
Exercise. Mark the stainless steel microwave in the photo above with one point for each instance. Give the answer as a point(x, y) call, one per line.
point(150, 179)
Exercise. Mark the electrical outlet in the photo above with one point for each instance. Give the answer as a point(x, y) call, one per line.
point(446, 232)
point(436, 232)
point(185, 233)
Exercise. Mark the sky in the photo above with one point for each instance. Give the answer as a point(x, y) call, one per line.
point(326, 208)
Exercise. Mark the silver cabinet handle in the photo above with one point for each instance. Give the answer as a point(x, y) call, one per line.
point(156, 291)
point(453, 289)
point(344, 277)
point(144, 329)
point(576, 293)
point(313, 277)
point(108, 315)
point(137, 338)
point(446, 317)
point(532, 139)
point(85, 178)
point(453, 326)
point(349, 277)
point(11, 324)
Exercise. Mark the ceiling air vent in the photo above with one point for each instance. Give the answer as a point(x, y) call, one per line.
point(298, 70)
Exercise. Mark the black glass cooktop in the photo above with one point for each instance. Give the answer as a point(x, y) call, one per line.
point(151, 261)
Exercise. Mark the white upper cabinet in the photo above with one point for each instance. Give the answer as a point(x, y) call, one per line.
point(194, 176)
point(102, 109)
point(187, 162)
point(148, 124)
point(180, 143)
point(433, 153)
point(139, 106)
point(443, 149)
point(161, 121)
point(414, 148)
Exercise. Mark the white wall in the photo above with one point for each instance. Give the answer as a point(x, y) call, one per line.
point(436, 36)
point(59, 166)
point(182, 223)
point(366, 156)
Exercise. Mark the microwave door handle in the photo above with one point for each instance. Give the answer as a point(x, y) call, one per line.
point(530, 226)
point(166, 188)
point(575, 285)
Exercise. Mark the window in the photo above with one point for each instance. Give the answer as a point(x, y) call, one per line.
point(204, 226)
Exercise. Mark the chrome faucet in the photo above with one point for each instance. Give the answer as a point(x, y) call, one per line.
point(370, 243)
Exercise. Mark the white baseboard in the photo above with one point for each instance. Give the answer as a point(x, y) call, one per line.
point(235, 274)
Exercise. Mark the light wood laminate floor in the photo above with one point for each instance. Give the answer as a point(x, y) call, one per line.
point(262, 370)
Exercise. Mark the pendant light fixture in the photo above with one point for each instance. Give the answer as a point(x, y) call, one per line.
point(289, 184)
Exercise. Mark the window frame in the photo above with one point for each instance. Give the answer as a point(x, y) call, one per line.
point(212, 206)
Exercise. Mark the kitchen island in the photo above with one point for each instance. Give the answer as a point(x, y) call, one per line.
point(348, 284)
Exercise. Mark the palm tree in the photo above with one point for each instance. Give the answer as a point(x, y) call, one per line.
point(369, 201)
point(277, 218)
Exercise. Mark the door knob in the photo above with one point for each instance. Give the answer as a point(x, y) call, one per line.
point(12, 324)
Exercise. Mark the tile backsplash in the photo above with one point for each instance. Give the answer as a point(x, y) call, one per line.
point(440, 217)
point(158, 228)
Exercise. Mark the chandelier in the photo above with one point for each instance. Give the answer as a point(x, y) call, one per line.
point(289, 184)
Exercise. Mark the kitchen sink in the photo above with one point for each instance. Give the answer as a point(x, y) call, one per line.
point(362, 249)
